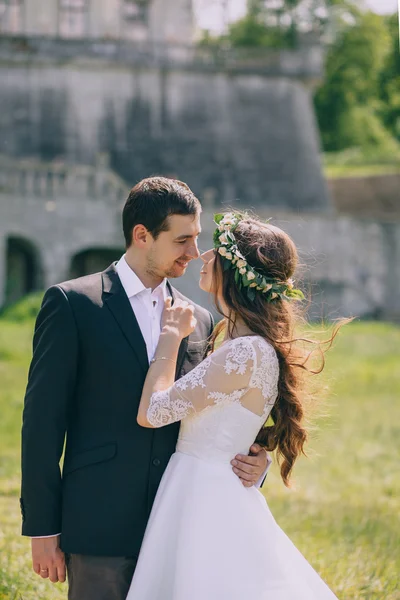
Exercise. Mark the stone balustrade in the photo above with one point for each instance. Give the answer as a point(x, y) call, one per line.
point(51, 180)
point(305, 62)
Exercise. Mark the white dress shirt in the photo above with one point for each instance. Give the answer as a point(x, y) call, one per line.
point(147, 305)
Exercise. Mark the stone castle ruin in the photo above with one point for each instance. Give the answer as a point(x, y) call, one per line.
point(97, 95)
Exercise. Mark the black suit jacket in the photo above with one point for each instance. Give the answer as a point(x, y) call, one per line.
point(85, 382)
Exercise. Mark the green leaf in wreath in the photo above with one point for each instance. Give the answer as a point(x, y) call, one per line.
point(295, 294)
point(251, 293)
point(280, 288)
point(245, 281)
point(218, 218)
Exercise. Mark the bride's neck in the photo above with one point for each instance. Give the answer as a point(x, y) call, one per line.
point(240, 329)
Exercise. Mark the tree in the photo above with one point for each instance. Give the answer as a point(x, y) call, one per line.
point(389, 81)
point(358, 105)
point(347, 103)
point(279, 23)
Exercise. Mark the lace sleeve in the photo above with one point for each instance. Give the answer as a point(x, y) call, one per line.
point(173, 405)
point(243, 370)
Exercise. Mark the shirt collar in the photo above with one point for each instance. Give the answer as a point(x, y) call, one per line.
point(133, 285)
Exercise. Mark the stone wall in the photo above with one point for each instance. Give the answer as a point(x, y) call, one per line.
point(236, 132)
point(157, 20)
point(239, 129)
point(59, 212)
point(376, 197)
point(350, 266)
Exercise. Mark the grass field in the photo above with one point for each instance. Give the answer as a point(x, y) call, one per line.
point(356, 162)
point(343, 171)
point(343, 514)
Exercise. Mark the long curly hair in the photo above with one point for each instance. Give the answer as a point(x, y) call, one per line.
point(272, 252)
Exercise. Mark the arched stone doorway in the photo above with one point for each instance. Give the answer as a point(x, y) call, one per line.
point(93, 260)
point(23, 269)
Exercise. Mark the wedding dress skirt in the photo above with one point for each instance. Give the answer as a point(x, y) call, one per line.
point(208, 536)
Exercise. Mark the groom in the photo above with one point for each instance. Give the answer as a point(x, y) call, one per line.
point(93, 340)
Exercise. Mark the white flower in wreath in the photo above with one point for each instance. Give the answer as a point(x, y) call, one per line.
point(274, 295)
point(228, 255)
point(234, 259)
point(252, 284)
point(222, 251)
point(243, 270)
point(241, 263)
point(228, 218)
point(290, 284)
point(221, 227)
point(251, 275)
point(223, 239)
point(228, 223)
point(267, 287)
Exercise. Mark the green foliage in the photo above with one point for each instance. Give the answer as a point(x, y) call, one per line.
point(360, 127)
point(360, 162)
point(251, 32)
point(347, 104)
point(24, 309)
point(389, 81)
point(342, 511)
point(269, 24)
point(358, 104)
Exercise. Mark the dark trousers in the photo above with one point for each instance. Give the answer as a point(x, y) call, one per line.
point(99, 577)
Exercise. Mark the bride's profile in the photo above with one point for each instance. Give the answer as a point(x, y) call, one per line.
point(208, 536)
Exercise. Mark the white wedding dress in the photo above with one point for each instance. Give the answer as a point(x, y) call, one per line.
point(208, 536)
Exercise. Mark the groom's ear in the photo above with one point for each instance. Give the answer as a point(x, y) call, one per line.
point(140, 236)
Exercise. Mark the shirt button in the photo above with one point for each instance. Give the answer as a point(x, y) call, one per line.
point(156, 462)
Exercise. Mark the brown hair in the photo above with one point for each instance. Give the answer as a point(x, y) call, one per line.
point(272, 252)
point(152, 201)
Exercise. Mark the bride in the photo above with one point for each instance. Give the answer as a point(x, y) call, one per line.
point(208, 537)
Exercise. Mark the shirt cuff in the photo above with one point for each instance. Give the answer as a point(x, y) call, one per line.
point(42, 537)
point(263, 476)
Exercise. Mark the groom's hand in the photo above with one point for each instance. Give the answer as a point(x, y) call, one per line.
point(48, 560)
point(250, 469)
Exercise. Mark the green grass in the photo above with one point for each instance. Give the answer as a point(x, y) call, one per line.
point(358, 162)
point(343, 171)
point(343, 514)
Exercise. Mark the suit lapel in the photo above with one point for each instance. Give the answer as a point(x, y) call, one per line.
point(118, 303)
point(184, 343)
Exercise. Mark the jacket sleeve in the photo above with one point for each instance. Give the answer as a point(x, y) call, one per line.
point(50, 388)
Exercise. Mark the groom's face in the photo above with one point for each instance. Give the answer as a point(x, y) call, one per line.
point(170, 254)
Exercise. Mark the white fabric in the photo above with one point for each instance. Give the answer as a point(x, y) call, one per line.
point(147, 305)
point(209, 537)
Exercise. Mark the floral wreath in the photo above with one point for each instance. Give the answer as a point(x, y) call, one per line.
point(246, 277)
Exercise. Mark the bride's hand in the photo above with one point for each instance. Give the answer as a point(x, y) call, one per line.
point(178, 318)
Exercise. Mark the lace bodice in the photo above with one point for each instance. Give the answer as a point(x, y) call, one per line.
point(223, 402)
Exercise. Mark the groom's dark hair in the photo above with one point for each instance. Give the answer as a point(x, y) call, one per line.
point(152, 201)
